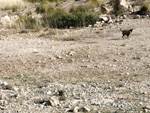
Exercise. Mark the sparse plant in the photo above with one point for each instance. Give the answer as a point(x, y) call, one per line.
point(80, 8)
point(84, 19)
point(29, 13)
point(45, 7)
point(28, 22)
point(117, 8)
point(14, 8)
point(94, 3)
point(11, 4)
point(120, 11)
point(71, 38)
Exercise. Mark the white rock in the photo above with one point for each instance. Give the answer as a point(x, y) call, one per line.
point(3, 83)
point(3, 102)
point(76, 110)
point(71, 53)
point(104, 18)
point(84, 109)
point(89, 25)
point(124, 3)
point(106, 101)
point(120, 3)
point(54, 101)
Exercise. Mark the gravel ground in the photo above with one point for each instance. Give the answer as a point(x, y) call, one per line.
point(77, 70)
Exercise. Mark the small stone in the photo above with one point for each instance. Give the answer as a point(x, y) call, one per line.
point(49, 93)
point(3, 102)
point(54, 101)
point(106, 101)
point(104, 9)
point(2, 108)
point(3, 83)
point(104, 18)
point(112, 65)
point(76, 110)
point(137, 17)
point(15, 88)
point(61, 95)
point(124, 16)
point(115, 60)
point(7, 87)
point(146, 108)
point(71, 53)
point(89, 25)
point(59, 57)
point(84, 109)
point(14, 96)
point(69, 110)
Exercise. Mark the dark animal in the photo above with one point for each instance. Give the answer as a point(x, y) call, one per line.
point(126, 33)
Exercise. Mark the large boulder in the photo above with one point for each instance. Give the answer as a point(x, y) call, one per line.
point(124, 4)
point(120, 4)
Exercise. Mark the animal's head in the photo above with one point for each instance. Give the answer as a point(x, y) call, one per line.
point(130, 30)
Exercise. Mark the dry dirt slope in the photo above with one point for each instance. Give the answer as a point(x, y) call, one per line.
point(99, 69)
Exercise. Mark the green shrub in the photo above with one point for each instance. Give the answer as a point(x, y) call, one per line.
point(28, 23)
point(145, 9)
point(80, 8)
point(45, 7)
point(120, 11)
point(14, 8)
point(85, 19)
point(91, 19)
point(61, 19)
point(94, 3)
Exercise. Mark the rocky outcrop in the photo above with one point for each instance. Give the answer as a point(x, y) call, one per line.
point(120, 4)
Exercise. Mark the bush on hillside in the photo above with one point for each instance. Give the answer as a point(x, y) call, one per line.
point(145, 9)
point(80, 8)
point(45, 7)
point(61, 19)
point(120, 11)
point(94, 3)
point(28, 22)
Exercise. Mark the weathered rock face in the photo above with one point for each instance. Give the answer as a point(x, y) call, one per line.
point(120, 3)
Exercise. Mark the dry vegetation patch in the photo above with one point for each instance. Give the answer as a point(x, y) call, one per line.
point(7, 4)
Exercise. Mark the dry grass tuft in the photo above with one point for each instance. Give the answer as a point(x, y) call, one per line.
point(7, 4)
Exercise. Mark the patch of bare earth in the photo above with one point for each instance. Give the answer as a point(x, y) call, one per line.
point(95, 68)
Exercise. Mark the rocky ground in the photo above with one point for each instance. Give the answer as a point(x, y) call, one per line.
point(76, 70)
